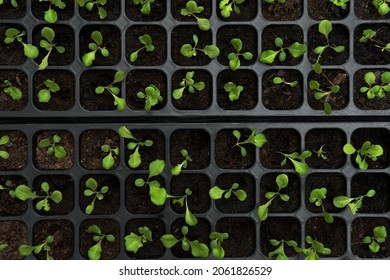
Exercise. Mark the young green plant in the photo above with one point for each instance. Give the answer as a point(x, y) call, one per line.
point(354, 203)
point(147, 43)
point(383, 6)
point(233, 90)
point(8, 187)
point(14, 92)
point(51, 14)
point(47, 43)
point(94, 253)
point(340, 3)
point(12, 34)
point(3, 246)
point(189, 82)
point(26, 250)
point(379, 237)
point(228, 6)
point(4, 140)
point(145, 6)
point(316, 248)
point(44, 95)
point(375, 90)
point(133, 241)
point(176, 170)
point(89, 4)
point(321, 153)
point(53, 147)
point(95, 46)
point(108, 160)
point(182, 200)
point(280, 252)
point(296, 49)
point(187, 50)
point(217, 193)
point(119, 102)
point(92, 190)
point(279, 80)
point(317, 196)
point(369, 35)
point(234, 57)
point(217, 239)
point(14, 3)
point(274, 1)
point(191, 9)
point(367, 150)
point(152, 96)
point(325, 95)
point(298, 160)
point(257, 139)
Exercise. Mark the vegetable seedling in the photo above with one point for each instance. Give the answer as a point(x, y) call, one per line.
point(279, 252)
point(3, 246)
point(108, 161)
point(189, 82)
point(228, 6)
point(274, 1)
point(255, 139)
point(217, 239)
point(176, 170)
point(89, 4)
point(296, 49)
point(26, 250)
point(92, 190)
point(279, 80)
point(317, 196)
point(134, 144)
point(7, 187)
point(14, 92)
point(191, 9)
point(369, 35)
point(189, 51)
point(133, 241)
point(119, 102)
point(217, 193)
point(324, 27)
point(3, 141)
point(312, 253)
point(95, 46)
point(367, 150)
point(382, 6)
point(182, 200)
point(146, 41)
point(24, 193)
point(53, 147)
point(354, 203)
point(376, 90)
point(158, 194)
point(145, 6)
point(321, 152)
point(298, 160)
point(51, 15)
point(152, 96)
point(94, 253)
point(281, 182)
point(12, 34)
point(14, 3)
point(325, 95)
point(234, 58)
point(198, 249)
point(340, 3)
point(48, 45)
point(233, 90)
point(379, 237)
point(44, 95)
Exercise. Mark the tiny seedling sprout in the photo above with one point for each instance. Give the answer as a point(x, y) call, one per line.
point(14, 3)
point(367, 150)
point(152, 96)
point(191, 9)
point(234, 58)
point(298, 160)
point(189, 51)
point(274, 1)
point(44, 95)
point(369, 35)
point(189, 82)
point(281, 182)
point(279, 252)
point(14, 92)
point(316, 248)
point(133, 145)
point(176, 170)
point(51, 15)
point(279, 80)
point(383, 6)
point(3, 141)
point(379, 237)
point(233, 90)
point(217, 193)
point(95, 46)
point(228, 6)
point(89, 4)
point(12, 34)
point(295, 49)
point(354, 203)
point(94, 253)
point(340, 3)
point(92, 190)
point(47, 43)
point(146, 41)
point(8, 187)
point(325, 95)
point(217, 239)
point(375, 90)
point(255, 139)
point(145, 6)
point(114, 91)
point(321, 153)
point(317, 197)
point(26, 250)
point(182, 200)
point(108, 161)
point(133, 241)
point(53, 147)
point(3, 246)
point(198, 249)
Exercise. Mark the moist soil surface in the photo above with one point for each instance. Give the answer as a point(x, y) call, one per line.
point(324, 9)
point(11, 206)
point(16, 148)
point(113, 9)
point(158, 10)
point(290, 10)
point(9, 12)
point(364, 9)
point(13, 233)
point(18, 79)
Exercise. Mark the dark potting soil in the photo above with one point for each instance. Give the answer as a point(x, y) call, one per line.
point(18, 79)
point(16, 148)
point(177, 5)
point(157, 11)
point(44, 161)
point(290, 10)
point(324, 9)
point(39, 8)
point(11, 206)
point(13, 233)
point(110, 203)
point(62, 100)
point(9, 12)
point(248, 11)
point(364, 9)
point(12, 54)
point(282, 96)
point(113, 9)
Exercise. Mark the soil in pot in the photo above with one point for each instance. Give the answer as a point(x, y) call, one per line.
point(10, 12)
point(13, 233)
point(16, 148)
point(288, 11)
point(17, 79)
point(11, 206)
point(157, 11)
point(364, 9)
point(324, 9)
point(113, 9)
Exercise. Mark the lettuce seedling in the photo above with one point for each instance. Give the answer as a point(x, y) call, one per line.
point(312, 253)
point(295, 49)
point(12, 34)
point(24, 193)
point(369, 35)
point(354, 203)
point(217, 193)
point(279, 252)
point(189, 51)
point(145, 40)
point(53, 148)
point(92, 190)
point(7, 187)
point(26, 250)
point(298, 161)
point(44, 95)
point(233, 90)
point(114, 91)
point(382, 6)
point(340, 3)
point(89, 4)
point(216, 244)
point(3, 141)
point(108, 161)
point(94, 253)
point(234, 58)
point(255, 139)
point(279, 80)
point(324, 27)
point(325, 95)
point(14, 3)
point(182, 200)
point(376, 90)
point(176, 170)
point(134, 144)
point(189, 82)
point(14, 92)
point(51, 15)
point(145, 6)
point(198, 249)
point(158, 194)
point(379, 237)
point(48, 45)
point(133, 242)
point(281, 182)
point(273, 1)
point(367, 150)
point(152, 96)
point(228, 6)
point(95, 46)
point(317, 196)
point(3, 246)
point(193, 8)
point(321, 152)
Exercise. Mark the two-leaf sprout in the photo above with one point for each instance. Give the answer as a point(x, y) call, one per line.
point(94, 252)
point(147, 43)
point(114, 90)
point(176, 170)
point(296, 49)
point(3, 141)
point(95, 46)
point(189, 51)
point(89, 4)
point(257, 139)
point(234, 57)
point(217, 193)
point(298, 161)
point(145, 6)
point(228, 6)
point(191, 9)
point(108, 160)
point(47, 43)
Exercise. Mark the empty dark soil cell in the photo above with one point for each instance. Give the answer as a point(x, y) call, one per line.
point(13, 233)
point(248, 11)
point(16, 148)
point(290, 10)
point(113, 9)
point(12, 54)
point(324, 9)
point(17, 79)
point(11, 206)
point(177, 5)
point(364, 9)
point(39, 8)
point(157, 11)
point(9, 12)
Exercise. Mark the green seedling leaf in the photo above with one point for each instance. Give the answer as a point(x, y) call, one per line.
point(325, 27)
point(268, 56)
point(51, 16)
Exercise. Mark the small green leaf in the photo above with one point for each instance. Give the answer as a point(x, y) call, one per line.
point(187, 51)
point(48, 33)
point(156, 168)
point(203, 24)
point(91, 184)
point(282, 181)
point(374, 247)
point(119, 77)
point(199, 249)
point(327, 108)
point(50, 15)
point(317, 68)
point(341, 201)
point(241, 195)
point(108, 161)
point(262, 212)
point(30, 51)
point(297, 49)
point(211, 51)
point(349, 149)
point(325, 27)
point(135, 159)
point(133, 243)
point(237, 44)
point(56, 196)
point(4, 140)
point(168, 240)
point(268, 56)
point(88, 58)
point(94, 253)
